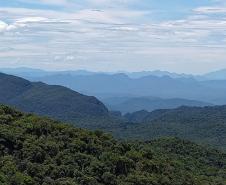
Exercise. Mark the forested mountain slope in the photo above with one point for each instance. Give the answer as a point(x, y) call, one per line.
point(49, 100)
point(205, 125)
point(39, 151)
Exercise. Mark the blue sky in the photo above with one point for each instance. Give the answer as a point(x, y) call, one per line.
point(114, 35)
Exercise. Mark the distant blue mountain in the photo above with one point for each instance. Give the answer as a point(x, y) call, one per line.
point(158, 73)
point(24, 71)
point(121, 85)
point(130, 105)
point(34, 73)
point(160, 84)
point(216, 75)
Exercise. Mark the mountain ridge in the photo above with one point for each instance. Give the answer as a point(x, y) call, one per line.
point(133, 104)
point(162, 87)
point(212, 75)
point(205, 125)
point(50, 100)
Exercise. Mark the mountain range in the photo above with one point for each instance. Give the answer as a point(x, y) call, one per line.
point(120, 85)
point(158, 84)
point(31, 72)
point(205, 125)
point(134, 104)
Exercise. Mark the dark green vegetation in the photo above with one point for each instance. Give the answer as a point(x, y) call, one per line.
point(205, 125)
point(36, 150)
point(54, 101)
point(137, 117)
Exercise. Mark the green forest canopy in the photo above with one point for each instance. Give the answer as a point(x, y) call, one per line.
point(36, 150)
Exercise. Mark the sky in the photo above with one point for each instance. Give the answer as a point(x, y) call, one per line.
point(184, 36)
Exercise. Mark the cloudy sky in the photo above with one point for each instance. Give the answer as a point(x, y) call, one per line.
point(114, 35)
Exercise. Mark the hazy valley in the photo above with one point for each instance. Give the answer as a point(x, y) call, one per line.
point(112, 92)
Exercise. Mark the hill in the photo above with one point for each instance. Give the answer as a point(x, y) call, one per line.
point(137, 117)
point(158, 73)
point(40, 151)
point(205, 125)
point(160, 84)
point(133, 104)
point(49, 100)
point(30, 73)
point(120, 85)
point(216, 75)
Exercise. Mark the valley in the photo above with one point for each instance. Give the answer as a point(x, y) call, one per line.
point(112, 92)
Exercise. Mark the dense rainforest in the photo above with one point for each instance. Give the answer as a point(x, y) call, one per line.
point(40, 151)
point(204, 125)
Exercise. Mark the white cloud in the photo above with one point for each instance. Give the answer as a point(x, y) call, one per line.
point(110, 3)
point(48, 2)
point(3, 26)
point(71, 4)
point(97, 38)
point(210, 10)
point(69, 57)
point(58, 2)
point(31, 20)
point(20, 23)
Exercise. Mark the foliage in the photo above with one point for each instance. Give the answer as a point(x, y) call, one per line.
point(40, 151)
point(206, 125)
